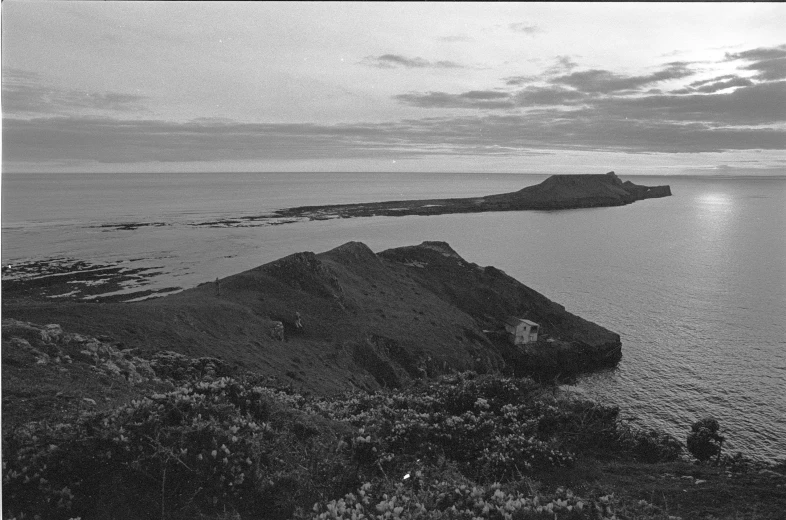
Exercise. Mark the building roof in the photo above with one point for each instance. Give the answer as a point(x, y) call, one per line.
point(513, 321)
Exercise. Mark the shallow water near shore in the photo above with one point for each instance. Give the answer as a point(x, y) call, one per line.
point(694, 283)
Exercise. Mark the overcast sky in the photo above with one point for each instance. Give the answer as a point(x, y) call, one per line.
point(327, 86)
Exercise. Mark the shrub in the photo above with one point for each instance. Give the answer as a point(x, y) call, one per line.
point(650, 446)
point(704, 441)
point(234, 447)
point(200, 449)
point(447, 499)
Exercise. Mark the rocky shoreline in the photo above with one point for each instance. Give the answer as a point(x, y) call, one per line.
point(68, 279)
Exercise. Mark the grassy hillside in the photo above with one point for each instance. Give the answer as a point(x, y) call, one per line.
point(370, 321)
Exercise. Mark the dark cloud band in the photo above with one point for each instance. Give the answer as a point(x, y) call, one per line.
point(389, 61)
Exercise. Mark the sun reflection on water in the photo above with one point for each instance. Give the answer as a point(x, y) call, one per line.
point(715, 208)
point(715, 199)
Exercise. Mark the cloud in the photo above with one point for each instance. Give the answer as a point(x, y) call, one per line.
point(521, 27)
point(109, 140)
point(711, 80)
point(604, 81)
point(773, 69)
point(737, 169)
point(551, 129)
point(472, 99)
point(520, 80)
point(494, 99)
point(708, 86)
point(549, 95)
point(768, 62)
point(749, 104)
point(456, 38)
point(586, 110)
point(564, 64)
point(389, 61)
point(761, 53)
point(485, 94)
point(726, 112)
point(722, 85)
point(759, 104)
point(26, 92)
point(74, 140)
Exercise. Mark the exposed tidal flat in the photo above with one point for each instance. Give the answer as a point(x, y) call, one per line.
point(694, 283)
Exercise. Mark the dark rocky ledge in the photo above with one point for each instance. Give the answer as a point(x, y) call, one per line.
point(555, 193)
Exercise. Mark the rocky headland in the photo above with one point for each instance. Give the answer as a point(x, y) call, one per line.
point(555, 193)
point(367, 320)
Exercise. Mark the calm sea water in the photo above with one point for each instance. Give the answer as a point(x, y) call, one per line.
point(694, 283)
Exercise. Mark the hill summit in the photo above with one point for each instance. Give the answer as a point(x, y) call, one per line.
point(573, 191)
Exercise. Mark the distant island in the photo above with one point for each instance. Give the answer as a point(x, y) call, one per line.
point(555, 193)
point(558, 192)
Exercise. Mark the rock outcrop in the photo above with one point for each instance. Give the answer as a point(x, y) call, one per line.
point(51, 372)
point(50, 345)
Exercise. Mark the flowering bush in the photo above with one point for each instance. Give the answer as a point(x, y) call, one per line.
point(229, 446)
point(450, 500)
point(494, 428)
point(203, 447)
point(478, 423)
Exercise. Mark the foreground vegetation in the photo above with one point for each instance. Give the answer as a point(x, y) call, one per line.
point(464, 446)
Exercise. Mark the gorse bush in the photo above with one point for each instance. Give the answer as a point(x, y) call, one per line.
point(204, 447)
point(209, 448)
point(447, 500)
point(493, 428)
point(487, 426)
point(194, 445)
point(433, 494)
point(704, 441)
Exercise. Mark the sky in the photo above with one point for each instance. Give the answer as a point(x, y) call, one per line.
point(639, 88)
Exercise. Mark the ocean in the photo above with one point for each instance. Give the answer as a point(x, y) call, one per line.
point(695, 283)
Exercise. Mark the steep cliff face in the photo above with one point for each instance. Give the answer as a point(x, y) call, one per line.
point(568, 344)
point(647, 192)
point(350, 318)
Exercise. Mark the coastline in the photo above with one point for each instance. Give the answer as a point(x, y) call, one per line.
point(626, 278)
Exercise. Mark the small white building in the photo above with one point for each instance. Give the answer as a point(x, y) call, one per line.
point(521, 331)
